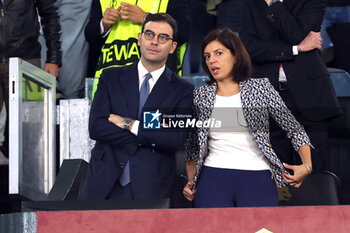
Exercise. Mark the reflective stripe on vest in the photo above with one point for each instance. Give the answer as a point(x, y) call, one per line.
point(121, 47)
point(181, 51)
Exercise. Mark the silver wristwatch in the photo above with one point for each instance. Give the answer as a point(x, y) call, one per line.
point(127, 123)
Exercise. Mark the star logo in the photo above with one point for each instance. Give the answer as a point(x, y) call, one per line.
point(151, 119)
point(156, 115)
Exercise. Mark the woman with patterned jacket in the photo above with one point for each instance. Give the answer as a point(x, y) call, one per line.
point(234, 164)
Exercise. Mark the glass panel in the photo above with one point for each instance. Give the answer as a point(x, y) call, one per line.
point(89, 83)
point(32, 130)
point(34, 133)
point(75, 142)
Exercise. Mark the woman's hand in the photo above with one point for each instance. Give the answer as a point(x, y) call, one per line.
point(300, 174)
point(188, 192)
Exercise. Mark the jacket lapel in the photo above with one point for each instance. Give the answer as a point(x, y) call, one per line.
point(130, 87)
point(207, 105)
point(160, 90)
point(248, 105)
point(211, 94)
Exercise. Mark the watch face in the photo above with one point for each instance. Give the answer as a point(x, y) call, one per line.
point(127, 122)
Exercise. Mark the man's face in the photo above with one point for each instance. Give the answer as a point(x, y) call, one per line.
point(152, 51)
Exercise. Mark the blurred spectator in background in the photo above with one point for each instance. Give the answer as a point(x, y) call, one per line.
point(3, 160)
point(202, 24)
point(337, 11)
point(335, 32)
point(113, 27)
point(73, 17)
point(19, 26)
point(284, 43)
point(228, 13)
point(206, 16)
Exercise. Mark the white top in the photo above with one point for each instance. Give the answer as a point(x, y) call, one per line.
point(142, 71)
point(232, 146)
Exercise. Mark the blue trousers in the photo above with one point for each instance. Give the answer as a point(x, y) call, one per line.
point(218, 187)
point(334, 14)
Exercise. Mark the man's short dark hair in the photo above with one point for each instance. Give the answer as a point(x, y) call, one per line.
point(161, 17)
point(243, 67)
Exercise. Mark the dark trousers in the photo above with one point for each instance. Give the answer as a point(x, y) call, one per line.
point(120, 192)
point(218, 187)
point(229, 14)
point(316, 130)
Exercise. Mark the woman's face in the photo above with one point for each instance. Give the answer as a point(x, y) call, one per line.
point(220, 61)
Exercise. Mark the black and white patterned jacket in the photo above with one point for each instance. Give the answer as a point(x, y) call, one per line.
point(259, 101)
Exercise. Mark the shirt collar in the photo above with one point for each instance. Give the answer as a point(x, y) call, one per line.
point(143, 71)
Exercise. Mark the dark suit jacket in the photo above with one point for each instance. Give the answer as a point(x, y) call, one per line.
point(151, 153)
point(269, 34)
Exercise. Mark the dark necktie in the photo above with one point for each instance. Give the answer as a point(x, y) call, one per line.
point(144, 92)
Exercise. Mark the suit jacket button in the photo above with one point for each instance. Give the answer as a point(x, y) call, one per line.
point(270, 146)
point(139, 145)
point(122, 165)
point(271, 15)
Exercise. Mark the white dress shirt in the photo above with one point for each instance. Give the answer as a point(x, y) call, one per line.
point(142, 71)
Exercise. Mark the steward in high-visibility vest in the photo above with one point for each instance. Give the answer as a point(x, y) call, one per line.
point(120, 47)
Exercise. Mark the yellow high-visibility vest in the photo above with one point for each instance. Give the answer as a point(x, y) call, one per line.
point(181, 51)
point(120, 48)
point(31, 90)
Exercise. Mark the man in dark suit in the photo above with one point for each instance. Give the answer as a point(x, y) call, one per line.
point(129, 160)
point(284, 43)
